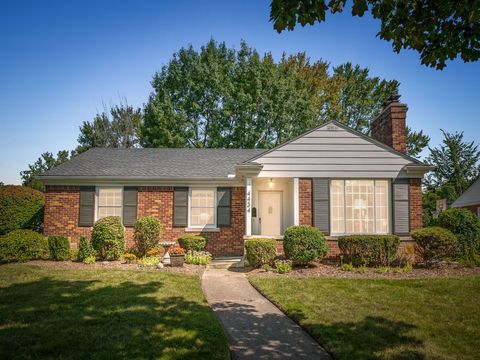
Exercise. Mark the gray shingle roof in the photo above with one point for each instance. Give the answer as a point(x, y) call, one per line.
point(159, 163)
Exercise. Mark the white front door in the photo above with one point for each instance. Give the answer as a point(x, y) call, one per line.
point(270, 212)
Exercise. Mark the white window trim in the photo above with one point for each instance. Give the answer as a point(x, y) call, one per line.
point(389, 208)
point(97, 193)
point(214, 226)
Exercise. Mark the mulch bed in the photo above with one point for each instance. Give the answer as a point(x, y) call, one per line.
point(186, 269)
point(334, 271)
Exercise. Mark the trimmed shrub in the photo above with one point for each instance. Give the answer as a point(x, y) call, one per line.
point(59, 248)
point(434, 243)
point(260, 251)
point(21, 207)
point(466, 226)
point(148, 232)
point(192, 242)
point(23, 245)
point(373, 250)
point(304, 244)
point(85, 250)
point(108, 238)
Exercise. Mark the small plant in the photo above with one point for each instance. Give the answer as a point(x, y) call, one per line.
point(130, 258)
point(148, 261)
point(73, 254)
point(266, 267)
point(408, 267)
point(176, 251)
point(347, 267)
point(85, 250)
point(383, 269)
point(398, 270)
point(434, 243)
point(108, 238)
point(362, 269)
point(198, 257)
point(89, 259)
point(148, 232)
point(260, 251)
point(59, 248)
point(192, 242)
point(304, 244)
point(23, 245)
point(153, 252)
point(283, 266)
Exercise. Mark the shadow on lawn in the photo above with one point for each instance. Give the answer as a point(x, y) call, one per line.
point(81, 319)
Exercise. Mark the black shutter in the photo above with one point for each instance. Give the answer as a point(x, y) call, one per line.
point(321, 204)
point(401, 223)
point(87, 206)
point(129, 205)
point(180, 207)
point(224, 206)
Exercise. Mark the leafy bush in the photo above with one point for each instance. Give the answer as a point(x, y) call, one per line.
point(347, 267)
point(108, 238)
point(198, 257)
point(23, 245)
point(376, 250)
point(466, 226)
point(383, 269)
point(130, 258)
point(434, 243)
point(362, 269)
point(283, 266)
point(193, 242)
point(304, 244)
point(89, 259)
point(148, 232)
point(85, 250)
point(59, 248)
point(260, 251)
point(21, 207)
point(149, 261)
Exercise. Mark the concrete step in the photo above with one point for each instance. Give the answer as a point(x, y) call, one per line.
point(227, 263)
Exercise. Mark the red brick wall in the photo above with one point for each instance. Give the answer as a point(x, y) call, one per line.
point(305, 201)
point(415, 204)
point(62, 207)
point(473, 208)
point(390, 126)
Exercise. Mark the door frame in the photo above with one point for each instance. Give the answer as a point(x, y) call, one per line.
point(281, 210)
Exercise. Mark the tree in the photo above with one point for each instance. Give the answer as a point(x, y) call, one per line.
point(437, 30)
point(456, 166)
point(416, 142)
point(45, 162)
point(116, 127)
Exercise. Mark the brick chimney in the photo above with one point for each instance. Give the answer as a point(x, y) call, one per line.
point(389, 127)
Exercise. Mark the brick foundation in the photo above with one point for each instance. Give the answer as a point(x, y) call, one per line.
point(62, 211)
point(305, 201)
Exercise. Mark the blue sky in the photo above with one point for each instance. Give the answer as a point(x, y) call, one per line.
point(60, 61)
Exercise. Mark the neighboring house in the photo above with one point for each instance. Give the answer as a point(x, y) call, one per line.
point(470, 199)
point(331, 177)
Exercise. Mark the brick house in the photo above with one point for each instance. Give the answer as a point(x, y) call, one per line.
point(331, 177)
point(470, 199)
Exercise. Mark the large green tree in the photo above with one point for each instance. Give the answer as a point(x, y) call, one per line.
point(438, 30)
point(116, 127)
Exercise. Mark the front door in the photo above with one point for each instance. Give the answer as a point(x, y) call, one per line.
point(270, 212)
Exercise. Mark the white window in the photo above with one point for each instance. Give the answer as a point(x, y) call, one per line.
point(109, 202)
point(359, 206)
point(202, 207)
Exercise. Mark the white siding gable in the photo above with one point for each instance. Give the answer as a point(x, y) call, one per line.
point(331, 151)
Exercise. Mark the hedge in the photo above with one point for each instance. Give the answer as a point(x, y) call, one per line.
point(59, 248)
point(86, 252)
point(21, 207)
point(374, 250)
point(23, 245)
point(260, 251)
point(148, 231)
point(192, 242)
point(304, 244)
point(434, 243)
point(108, 238)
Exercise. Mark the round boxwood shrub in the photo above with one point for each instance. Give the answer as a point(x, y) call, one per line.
point(434, 243)
point(59, 248)
point(466, 226)
point(304, 244)
point(260, 251)
point(148, 232)
point(23, 245)
point(21, 207)
point(108, 238)
point(192, 242)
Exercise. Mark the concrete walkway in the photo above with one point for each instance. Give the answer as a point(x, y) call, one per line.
point(256, 328)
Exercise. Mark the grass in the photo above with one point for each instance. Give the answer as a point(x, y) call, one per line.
point(384, 319)
point(105, 314)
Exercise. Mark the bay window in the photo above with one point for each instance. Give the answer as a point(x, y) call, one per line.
point(359, 206)
point(202, 207)
point(109, 202)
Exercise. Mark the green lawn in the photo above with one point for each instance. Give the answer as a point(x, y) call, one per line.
point(105, 314)
point(384, 319)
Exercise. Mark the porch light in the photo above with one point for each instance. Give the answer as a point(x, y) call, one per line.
point(270, 183)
